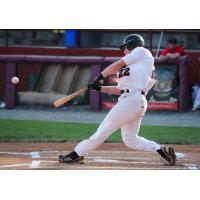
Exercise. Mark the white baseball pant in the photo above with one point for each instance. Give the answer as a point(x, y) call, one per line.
point(127, 115)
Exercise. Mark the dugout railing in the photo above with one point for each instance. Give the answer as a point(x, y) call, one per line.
point(97, 63)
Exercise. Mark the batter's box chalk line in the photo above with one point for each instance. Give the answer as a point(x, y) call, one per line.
point(35, 164)
point(35, 154)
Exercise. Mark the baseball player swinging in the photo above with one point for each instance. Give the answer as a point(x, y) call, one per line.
point(135, 72)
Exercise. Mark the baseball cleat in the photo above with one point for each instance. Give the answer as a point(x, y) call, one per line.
point(172, 155)
point(68, 159)
point(165, 150)
point(168, 155)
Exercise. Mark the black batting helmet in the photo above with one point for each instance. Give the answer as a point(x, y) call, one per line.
point(132, 41)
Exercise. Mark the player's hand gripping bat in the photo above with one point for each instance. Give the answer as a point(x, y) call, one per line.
point(63, 100)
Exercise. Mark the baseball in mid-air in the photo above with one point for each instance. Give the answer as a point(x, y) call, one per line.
point(15, 80)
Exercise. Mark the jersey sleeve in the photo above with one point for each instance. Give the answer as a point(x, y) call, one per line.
point(181, 51)
point(134, 56)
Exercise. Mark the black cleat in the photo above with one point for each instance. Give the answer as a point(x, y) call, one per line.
point(68, 159)
point(169, 155)
point(172, 155)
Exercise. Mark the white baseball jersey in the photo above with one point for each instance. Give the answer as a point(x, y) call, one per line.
point(137, 75)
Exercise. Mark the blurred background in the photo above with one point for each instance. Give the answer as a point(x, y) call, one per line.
point(53, 63)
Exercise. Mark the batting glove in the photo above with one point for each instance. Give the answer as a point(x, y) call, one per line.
point(100, 79)
point(95, 86)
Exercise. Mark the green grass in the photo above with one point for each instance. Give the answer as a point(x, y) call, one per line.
point(41, 131)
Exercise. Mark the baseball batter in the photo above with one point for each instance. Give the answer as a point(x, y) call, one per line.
point(135, 72)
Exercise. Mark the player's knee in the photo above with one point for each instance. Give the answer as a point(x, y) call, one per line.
point(105, 127)
point(102, 133)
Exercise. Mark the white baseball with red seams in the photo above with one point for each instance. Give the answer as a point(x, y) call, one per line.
point(15, 80)
point(131, 107)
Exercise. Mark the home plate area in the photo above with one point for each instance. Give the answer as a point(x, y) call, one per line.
point(109, 156)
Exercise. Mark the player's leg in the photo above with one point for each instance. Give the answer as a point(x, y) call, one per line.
point(106, 128)
point(122, 113)
point(119, 115)
point(132, 140)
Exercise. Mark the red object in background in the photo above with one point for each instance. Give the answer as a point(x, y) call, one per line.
point(151, 105)
point(107, 105)
point(178, 49)
point(162, 106)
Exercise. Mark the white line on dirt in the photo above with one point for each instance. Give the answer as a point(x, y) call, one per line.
point(81, 166)
point(122, 161)
point(14, 153)
point(99, 151)
point(123, 151)
point(35, 164)
point(107, 161)
point(35, 154)
point(51, 151)
point(191, 166)
point(103, 157)
point(14, 165)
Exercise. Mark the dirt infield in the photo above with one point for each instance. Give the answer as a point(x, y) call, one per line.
point(16, 156)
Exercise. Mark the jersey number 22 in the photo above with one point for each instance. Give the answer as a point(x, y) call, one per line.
point(124, 72)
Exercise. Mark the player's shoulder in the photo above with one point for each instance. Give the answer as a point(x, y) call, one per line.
point(180, 48)
point(143, 50)
point(167, 49)
point(140, 50)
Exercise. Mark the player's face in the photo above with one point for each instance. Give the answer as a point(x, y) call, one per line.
point(126, 51)
point(172, 46)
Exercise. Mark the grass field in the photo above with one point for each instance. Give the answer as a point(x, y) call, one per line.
point(40, 131)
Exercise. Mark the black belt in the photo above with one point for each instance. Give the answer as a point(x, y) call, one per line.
point(127, 91)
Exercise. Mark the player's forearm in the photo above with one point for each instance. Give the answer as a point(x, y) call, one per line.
point(163, 58)
point(173, 55)
point(110, 90)
point(113, 68)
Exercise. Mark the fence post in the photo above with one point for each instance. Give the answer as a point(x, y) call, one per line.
point(11, 89)
point(95, 96)
point(184, 97)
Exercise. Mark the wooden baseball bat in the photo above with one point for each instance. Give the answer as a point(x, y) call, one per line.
point(63, 100)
